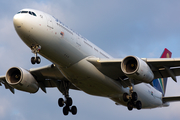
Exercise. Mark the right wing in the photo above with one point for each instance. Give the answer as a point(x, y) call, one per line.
point(47, 76)
point(161, 67)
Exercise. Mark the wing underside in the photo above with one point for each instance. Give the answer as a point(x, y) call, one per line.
point(47, 76)
point(161, 67)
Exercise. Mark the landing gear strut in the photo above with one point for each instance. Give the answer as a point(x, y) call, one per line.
point(35, 49)
point(132, 100)
point(67, 103)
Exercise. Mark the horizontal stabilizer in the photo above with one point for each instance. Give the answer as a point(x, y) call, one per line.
point(171, 99)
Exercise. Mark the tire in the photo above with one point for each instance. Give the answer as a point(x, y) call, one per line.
point(125, 97)
point(61, 102)
point(138, 105)
point(74, 110)
point(38, 60)
point(33, 60)
point(69, 101)
point(129, 106)
point(134, 96)
point(66, 110)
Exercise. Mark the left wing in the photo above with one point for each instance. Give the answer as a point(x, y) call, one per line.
point(7, 86)
point(47, 76)
point(161, 67)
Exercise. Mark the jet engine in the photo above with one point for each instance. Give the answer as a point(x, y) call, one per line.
point(137, 69)
point(21, 79)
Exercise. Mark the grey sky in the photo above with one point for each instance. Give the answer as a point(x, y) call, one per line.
point(119, 27)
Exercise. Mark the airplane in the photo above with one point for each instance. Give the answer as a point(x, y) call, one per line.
point(80, 65)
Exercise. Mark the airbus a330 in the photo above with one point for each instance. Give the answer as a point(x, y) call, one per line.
point(80, 65)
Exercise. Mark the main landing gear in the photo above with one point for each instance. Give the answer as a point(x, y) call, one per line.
point(67, 103)
point(68, 107)
point(131, 100)
point(35, 49)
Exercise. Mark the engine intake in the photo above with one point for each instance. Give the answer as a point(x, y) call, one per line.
point(21, 79)
point(137, 69)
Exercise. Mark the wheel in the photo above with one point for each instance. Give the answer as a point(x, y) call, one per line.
point(125, 97)
point(129, 106)
point(74, 110)
point(69, 101)
point(61, 102)
point(138, 105)
point(66, 110)
point(38, 59)
point(134, 96)
point(33, 60)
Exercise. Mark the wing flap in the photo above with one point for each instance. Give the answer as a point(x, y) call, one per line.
point(163, 73)
point(7, 86)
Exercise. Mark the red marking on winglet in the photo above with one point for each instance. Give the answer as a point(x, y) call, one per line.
point(166, 53)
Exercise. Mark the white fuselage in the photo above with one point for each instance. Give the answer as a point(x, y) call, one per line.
point(69, 51)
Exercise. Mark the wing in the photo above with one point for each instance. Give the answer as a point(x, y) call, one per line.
point(7, 86)
point(161, 67)
point(47, 76)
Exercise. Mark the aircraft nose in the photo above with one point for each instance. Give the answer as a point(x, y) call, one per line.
point(17, 21)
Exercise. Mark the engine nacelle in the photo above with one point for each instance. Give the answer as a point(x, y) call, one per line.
point(21, 79)
point(137, 69)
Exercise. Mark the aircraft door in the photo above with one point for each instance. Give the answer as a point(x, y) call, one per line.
point(78, 42)
point(49, 21)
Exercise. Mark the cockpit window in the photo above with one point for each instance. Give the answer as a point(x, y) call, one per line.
point(33, 13)
point(30, 12)
point(24, 11)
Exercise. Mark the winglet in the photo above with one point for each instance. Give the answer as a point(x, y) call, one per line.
point(166, 53)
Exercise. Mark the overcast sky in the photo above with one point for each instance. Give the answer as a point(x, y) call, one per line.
point(120, 27)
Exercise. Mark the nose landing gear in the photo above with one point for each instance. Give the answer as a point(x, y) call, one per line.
point(35, 49)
